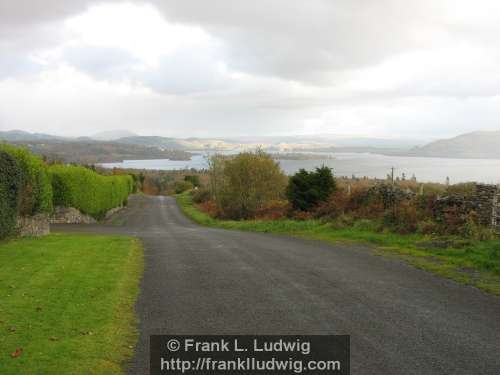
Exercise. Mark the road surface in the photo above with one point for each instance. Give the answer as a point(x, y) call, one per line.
point(402, 320)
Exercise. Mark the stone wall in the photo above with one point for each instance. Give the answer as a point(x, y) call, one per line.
point(112, 212)
point(70, 215)
point(486, 203)
point(37, 225)
point(495, 219)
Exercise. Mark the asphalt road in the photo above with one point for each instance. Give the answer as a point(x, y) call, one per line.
point(402, 320)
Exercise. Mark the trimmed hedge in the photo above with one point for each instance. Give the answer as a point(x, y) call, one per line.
point(11, 183)
point(36, 195)
point(88, 191)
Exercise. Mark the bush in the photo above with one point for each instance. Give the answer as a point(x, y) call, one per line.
point(473, 230)
point(182, 186)
point(302, 215)
point(201, 195)
point(334, 207)
point(194, 179)
point(11, 181)
point(306, 189)
point(88, 191)
point(243, 185)
point(406, 218)
point(274, 210)
point(428, 227)
point(36, 194)
point(209, 207)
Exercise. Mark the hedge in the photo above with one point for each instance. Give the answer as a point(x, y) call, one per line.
point(11, 182)
point(36, 195)
point(88, 191)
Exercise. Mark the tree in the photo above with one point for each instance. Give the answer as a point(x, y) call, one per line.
point(306, 189)
point(241, 185)
point(215, 165)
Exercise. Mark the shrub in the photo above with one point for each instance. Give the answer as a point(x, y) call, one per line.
point(334, 207)
point(136, 183)
point(246, 183)
point(306, 189)
point(209, 207)
point(201, 195)
point(88, 191)
point(358, 198)
point(453, 220)
point(428, 227)
point(390, 195)
point(302, 215)
point(194, 179)
point(406, 218)
point(274, 210)
point(473, 230)
point(11, 181)
point(36, 194)
point(182, 186)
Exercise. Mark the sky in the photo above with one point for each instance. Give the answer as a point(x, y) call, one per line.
point(373, 68)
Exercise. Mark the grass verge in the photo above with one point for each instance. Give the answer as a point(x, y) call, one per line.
point(477, 263)
point(67, 304)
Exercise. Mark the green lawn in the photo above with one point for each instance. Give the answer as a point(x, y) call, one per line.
point(67, 301)
point(477, 263)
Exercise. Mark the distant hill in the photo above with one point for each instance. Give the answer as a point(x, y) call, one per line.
point(194, 144)
point(476, 145)
point(112, 135)
point(152, 141)
point(333, 140)
point(21, 136)
point(92, 152)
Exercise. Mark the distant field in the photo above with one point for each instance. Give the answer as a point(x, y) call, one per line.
point(477, 263)
point(67, 304)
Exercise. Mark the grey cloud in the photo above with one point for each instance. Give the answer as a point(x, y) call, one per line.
point(184, 73)
point(28, 12)
point(305, 40)
point(101, 62)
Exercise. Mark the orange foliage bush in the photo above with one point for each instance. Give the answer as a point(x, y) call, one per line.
point(334, 207)
point(406, 218)
point(302, 215)
point(209, 207)
point(275, 210)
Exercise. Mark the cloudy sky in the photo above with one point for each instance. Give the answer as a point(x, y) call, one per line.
point(385, 68)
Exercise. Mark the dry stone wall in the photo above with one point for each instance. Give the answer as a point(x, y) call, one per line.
point(495, 219)
point(486, 203)
point(33, 226)
point(70, 215)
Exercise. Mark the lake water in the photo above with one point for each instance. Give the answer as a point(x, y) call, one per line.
point(358, 164)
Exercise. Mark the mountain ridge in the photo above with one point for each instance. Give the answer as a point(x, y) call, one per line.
point(473, 145)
